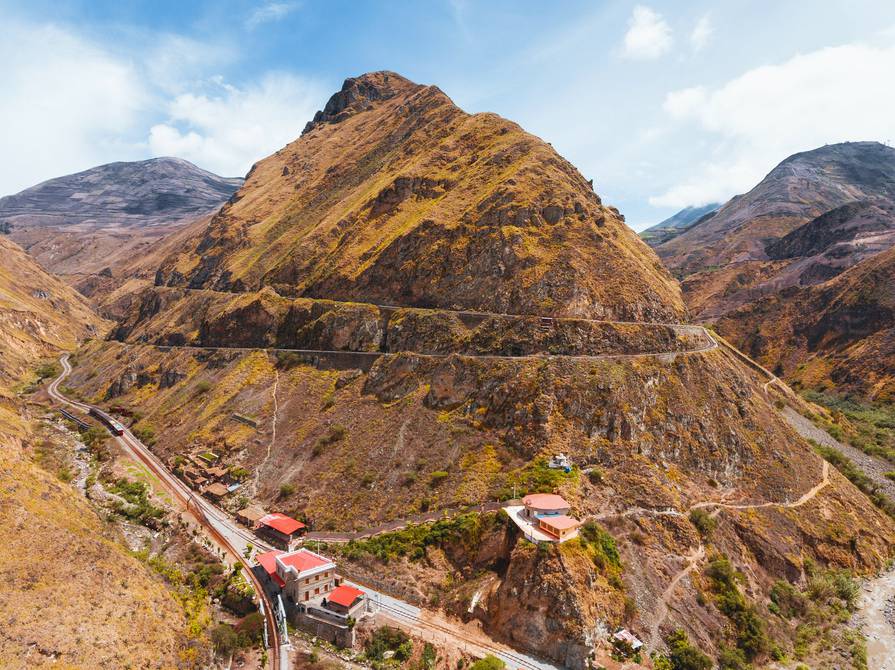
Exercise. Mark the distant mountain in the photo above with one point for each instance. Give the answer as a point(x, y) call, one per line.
point(799, 189)
point(142, 193)
point(772, 266)
point(91, 225)
point(674, 225)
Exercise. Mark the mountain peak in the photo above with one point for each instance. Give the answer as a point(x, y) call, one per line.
point(358, 93)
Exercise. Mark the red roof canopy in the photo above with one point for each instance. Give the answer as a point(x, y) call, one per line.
point(545, 501)
point(268, 561)
point(281, 522)
point(344, 595)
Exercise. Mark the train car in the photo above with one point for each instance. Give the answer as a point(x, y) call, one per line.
point(114, 427)
point(71, 417)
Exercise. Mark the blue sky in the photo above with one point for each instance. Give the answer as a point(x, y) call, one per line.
point(664, 104)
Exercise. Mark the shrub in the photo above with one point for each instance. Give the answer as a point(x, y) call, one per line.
point(683, 655)
point(751, 638)
point(437, 477)
point(703, 521)
point(146, 435)
point(287, 490)
point(732, 659)
point(488, 663)
point(595, 476)
point(602, 546)
point(203, 387)
point(788, 600)
point(47, 370)
point(389, 638)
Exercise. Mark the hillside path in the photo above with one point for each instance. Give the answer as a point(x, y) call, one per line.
point(874, 467)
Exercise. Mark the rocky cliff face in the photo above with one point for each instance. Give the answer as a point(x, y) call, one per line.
point(394, 195)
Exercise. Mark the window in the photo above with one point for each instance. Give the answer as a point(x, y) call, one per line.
point(307, 595)
point(307, 580)
point(316, 591)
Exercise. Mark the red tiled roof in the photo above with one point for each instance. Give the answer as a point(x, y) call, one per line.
point(344, 595)
point(560, 522)
point(268, 561)
point(303, 560)
point(548, 501)
point(281, 522)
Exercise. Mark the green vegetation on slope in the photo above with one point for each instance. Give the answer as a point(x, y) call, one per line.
point(870, 427)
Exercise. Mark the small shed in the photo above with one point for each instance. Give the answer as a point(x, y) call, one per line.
point(249, 516)
point(215, 491)
point(625, 637)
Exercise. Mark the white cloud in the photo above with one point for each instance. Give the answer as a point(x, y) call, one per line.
point(702, 33)
point(229, 128)
point(270, 11)
point(648, 36)
point(766, 114)
point(66, 105)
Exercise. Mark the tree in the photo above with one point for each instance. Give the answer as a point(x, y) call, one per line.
point(683, 655)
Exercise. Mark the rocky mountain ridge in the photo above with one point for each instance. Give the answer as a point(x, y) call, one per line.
point(396, 196)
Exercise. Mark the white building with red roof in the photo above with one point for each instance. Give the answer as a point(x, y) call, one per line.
point(306, 575)
point(282, 531)
point(544, 517)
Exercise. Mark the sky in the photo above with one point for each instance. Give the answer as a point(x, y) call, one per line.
point(663, 104)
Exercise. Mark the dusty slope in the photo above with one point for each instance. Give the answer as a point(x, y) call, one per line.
point(74, 597)
point(841, 331)
point(39, 315)
point(397, 196)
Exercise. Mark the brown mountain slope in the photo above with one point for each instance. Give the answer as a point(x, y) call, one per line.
point(72, 594)
point(39, 315)
point(841, 331)
point(394, 195)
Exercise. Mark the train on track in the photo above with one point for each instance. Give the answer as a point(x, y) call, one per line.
point(114, 426)
point(82, 425)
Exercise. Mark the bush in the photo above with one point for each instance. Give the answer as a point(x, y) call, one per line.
point(389, 638)
point(437, 477)
point(683, 655)
point(788, 600)
point(146, 434)
point(595, 476)
point(488, 663)
point(703, 521)
point(601, 546)
point(287, 490)
point(47, 370)
point(751, 638)
point(336, 433)
point(203, 387)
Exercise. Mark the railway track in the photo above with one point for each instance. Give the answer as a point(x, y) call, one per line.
point(209, 519)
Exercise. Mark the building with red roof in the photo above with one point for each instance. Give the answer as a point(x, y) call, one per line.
point(268, 561)
point(345, 600)
point(549, 513)
point(305, 575)
point(280, 530)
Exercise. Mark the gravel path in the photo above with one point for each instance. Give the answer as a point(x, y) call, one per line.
point(873, 467)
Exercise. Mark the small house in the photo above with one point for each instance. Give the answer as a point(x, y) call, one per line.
point(215, 491)
point(305, 575)
point(345, 601)
point(560, 461)
point(549, 513)
point(218, 474)
point(250, 516)
point(627, 639)
point(280, 530)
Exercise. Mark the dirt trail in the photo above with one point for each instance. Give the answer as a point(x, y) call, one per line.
point(662, 610)
point(273, 433)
